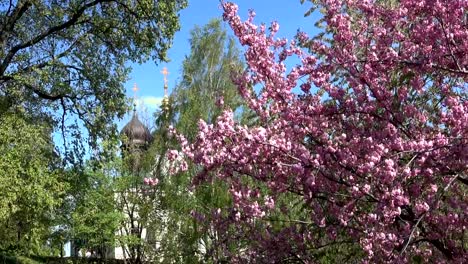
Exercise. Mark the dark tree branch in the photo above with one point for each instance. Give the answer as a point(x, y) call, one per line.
point(37, 91)
point(460, 69)
point(463, 180)
point(67, 24)
point(45, 95)
point(64, 112)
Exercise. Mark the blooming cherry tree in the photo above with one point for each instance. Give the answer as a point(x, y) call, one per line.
point(373, 144)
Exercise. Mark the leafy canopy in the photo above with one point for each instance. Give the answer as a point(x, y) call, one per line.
point(70, 57)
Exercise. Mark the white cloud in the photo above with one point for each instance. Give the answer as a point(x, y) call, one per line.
point(150, 102)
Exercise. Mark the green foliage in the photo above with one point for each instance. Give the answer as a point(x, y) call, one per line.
point(95, 220)
point(62, 66)
point(206, 76)
point(30, 184)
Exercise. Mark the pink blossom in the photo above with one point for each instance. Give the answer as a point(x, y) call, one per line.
point(371, 145)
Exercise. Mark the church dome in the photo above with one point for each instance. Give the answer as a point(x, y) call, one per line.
point(136, 132)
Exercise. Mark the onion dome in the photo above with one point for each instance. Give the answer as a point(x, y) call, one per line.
point(136, 132)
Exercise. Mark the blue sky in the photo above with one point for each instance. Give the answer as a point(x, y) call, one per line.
point(288, 13)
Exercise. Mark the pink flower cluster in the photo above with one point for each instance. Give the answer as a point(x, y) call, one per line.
point(151, 181)
point(374, 146)
point(176, 162)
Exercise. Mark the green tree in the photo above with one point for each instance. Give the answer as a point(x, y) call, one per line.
point(95, 219)
point(70, 57)
point(206, 78)
point(31, 185)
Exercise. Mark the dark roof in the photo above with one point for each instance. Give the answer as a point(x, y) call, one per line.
point(136, 132)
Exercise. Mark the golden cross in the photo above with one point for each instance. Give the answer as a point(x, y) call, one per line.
point(135, 90)
point(165, 73)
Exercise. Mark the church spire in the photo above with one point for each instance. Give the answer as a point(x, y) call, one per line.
point(135, 90)
point(165, 102)
point(165, 73)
